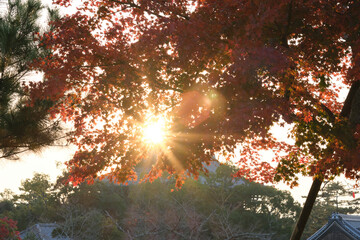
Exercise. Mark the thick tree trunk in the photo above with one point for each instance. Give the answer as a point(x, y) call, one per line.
point(305, 213)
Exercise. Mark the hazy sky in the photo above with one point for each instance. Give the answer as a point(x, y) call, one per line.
point(49, 161)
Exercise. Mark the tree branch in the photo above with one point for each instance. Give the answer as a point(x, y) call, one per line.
point(345, 112)
point(134, 5)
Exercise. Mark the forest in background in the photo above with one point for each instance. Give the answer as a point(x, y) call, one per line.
point(215, 208)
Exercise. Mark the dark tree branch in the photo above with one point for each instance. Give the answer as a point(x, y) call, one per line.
point(305, 212)
point(166, 87)
point(287, 28)
point(134, 5)
point(27, 147)
point(345, 112)
point(100, 65)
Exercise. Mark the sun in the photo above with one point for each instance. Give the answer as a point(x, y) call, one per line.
point(154, 132)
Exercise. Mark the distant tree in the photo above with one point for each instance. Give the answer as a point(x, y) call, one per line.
point(23, 125)
point(256, 206)
point(215, 209)
point(265, 208)
point(35, 203)
point(81, 223)
point(85, 210)
point(80, 211)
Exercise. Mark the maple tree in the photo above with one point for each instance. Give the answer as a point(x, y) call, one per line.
point(221, 73)
point(8, 229)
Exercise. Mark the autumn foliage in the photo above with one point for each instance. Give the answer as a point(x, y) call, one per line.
point(221, 72)
point(8, 229)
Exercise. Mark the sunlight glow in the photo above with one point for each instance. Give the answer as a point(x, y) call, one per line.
point(154, 132)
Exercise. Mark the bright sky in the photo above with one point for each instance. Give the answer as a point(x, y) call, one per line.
point(12, 172)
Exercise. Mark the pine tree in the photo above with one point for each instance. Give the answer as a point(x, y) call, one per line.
point(23, 126)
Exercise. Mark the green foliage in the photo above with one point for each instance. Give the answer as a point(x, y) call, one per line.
point(84, 210)
point(82, 223)
point(35, 203)
point(23, 126)
point(211, 208)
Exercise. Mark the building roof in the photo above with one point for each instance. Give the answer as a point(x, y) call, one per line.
point(339, 226)
point(42, 231)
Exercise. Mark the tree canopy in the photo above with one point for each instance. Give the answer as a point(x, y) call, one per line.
point(219, 74)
